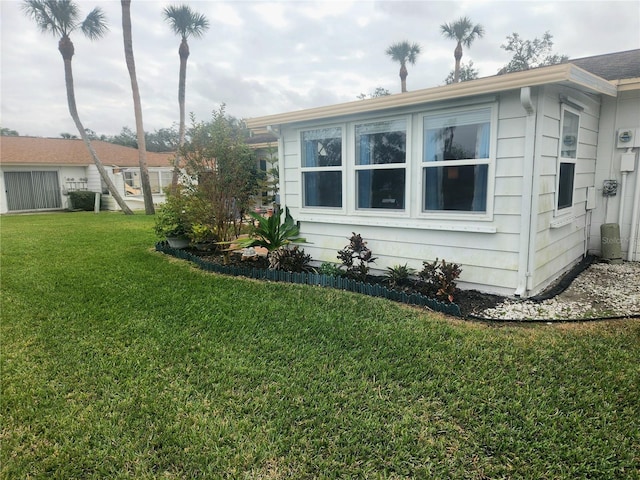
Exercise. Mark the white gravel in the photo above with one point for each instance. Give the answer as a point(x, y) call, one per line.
point(602, 290)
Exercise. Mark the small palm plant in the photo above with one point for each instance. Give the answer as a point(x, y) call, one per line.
point(399, 276)
point(271, 233)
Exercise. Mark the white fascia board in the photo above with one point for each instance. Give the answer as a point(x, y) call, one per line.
point(565, 73)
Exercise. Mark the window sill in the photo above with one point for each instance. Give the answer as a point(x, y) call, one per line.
point(408, 223)
point(561, 221)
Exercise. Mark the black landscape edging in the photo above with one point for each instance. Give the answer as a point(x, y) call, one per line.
point(323, 280)
point(565, 281)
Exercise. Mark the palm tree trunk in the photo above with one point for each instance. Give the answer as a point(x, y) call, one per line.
point(183, 51)
point(137, 107)
point(403, 78)
point(66, 49)
point(458, 56)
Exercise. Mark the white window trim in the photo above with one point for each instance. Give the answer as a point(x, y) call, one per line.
point(487, 215)
point(302, 170)
point(565, 216)
point(352, 168)
point(412, 216)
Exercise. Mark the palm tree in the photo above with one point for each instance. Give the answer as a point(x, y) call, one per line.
point(464, 32)
point(185, 23)
point(403, 52)
point(61, 17)
point(137, 107)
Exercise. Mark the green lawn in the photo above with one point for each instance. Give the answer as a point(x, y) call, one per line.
point(119, 362)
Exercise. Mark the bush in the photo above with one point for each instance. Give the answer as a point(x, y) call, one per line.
point(330, 269)
point(290, 260)
point(356, 258)
point(172, 219)
point(439, 279)
point(399, 276)
point(271, 233)
point(82, 200)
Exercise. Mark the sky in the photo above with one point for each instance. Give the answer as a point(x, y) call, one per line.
point(268, 57)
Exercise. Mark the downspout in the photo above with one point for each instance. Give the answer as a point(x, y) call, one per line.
point(526, 216)
point(635, 213)
point(623, 190)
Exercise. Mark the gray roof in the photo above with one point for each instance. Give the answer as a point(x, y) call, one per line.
point(612, 66)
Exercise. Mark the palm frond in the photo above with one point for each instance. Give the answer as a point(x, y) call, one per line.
point(58, 17)
point(95, 25)
point(185, 22)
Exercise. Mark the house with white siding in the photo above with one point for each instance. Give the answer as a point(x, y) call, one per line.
point(36, 174)
point(510, 176)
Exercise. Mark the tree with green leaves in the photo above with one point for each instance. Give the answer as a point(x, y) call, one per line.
point(464, 32)
point(378, 92)
point(467, 72)
point(7, 132)
point(529, 54)
point(185, 23)
point(225, 172)
point(61, 18)
point(137, 107)
point(403, 53)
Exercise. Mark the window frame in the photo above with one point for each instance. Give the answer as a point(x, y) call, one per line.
point(355, 167)
point(136, 174)
point(489, 161)
point(568, 210)
point(341, 168)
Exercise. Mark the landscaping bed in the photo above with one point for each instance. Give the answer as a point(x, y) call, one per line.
point(593, 290)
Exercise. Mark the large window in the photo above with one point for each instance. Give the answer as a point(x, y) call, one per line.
point(157, 179)
point(456, 156)
point(570, 124)
point(380, 154)
point(322, 167)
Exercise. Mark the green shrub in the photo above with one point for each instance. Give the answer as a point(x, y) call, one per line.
point(290, 260)
point(332, 269)
point(82, 200)
point(399, 276)
point(172, 218)
point(270, 233)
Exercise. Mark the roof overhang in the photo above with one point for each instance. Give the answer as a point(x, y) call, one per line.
point(627, 84)
point(565, 74)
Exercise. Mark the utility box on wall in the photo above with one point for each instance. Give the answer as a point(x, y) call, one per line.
point(628, 138)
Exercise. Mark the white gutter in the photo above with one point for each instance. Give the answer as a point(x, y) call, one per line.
point(527, 192)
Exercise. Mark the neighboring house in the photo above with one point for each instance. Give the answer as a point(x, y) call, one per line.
point(265, 148)
point(37, 173)
point(509, 176)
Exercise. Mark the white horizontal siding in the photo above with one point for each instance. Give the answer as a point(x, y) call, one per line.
point(488, 259)
point(559, 248)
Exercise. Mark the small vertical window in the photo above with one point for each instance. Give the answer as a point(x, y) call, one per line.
point(457, 148)
point(569, 127)
point(322, 167)
point(381, 151)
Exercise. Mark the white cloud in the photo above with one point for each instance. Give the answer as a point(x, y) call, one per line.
point(264, 58)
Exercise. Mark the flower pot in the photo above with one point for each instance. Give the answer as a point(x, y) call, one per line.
point(178, 242)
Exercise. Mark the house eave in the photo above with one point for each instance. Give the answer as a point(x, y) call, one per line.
point(627, 84)
point(565, 73)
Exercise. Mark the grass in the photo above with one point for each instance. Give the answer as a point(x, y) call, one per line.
point(119, 362)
